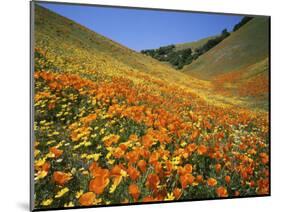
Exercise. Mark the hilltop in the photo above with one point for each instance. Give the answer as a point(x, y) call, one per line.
point(193, 45)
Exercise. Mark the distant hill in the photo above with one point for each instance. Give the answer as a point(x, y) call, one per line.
point(179, 55)
point(238, 66)
point(193, 45)
point(246, 46)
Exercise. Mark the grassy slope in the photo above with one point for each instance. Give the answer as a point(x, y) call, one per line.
point(244, 47)
point(97, 52)
point(193, 45)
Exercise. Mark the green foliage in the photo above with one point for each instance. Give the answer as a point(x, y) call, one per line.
point(179, 58)
point(212, 43)
point(244, 20)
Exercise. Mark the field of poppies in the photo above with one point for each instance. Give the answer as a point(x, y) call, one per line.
point(106, 140)
point(112, 126)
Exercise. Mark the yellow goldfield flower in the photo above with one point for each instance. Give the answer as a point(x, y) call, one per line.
point(36, 152)
point(87, 144)
point(108, 155)
point(78, 194)
point(62, 192)
point(43, 122)
point(116, 182)
point(51, 142)
point(183, 144)
point(111, 162)
point(70, 204)
point(123, 173)
point(85, 172)
point(170, 196)
point(40, 175)
point(40, 162)
point(50, 155)
point(47, 202)
point(95, 156)
point(84, 155)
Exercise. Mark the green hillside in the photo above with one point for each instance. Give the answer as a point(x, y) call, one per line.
point(246, 46)
point(193, 45)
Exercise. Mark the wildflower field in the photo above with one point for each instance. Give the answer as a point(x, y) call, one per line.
point(109, 132)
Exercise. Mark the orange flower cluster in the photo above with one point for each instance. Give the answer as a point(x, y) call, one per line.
point(121, 142)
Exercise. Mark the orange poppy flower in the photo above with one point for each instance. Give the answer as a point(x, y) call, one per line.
point(218, 167)
point(57, 152)
point(227, 179)
point(86, 120)
point(87, 199)
point(154, 157)
point(133, 173)
point(186, 179)
point(264, 158)
point(61, 178)
point(169, 167)
point(115, 171)
point(202, 149)
point(263, 186)
point(147, 141)
point(212, 182)
point(118, 153)
point(134, 191)
point(148, 199)
point(191, 147)
point(252, 183)
point(188, 168)
point(123, 146)
point(142, 165)
point(152, 181)
point(98, 184)
point(93, 166)
point(199, 178)
point(99, 172)
point(194, 135)
point(222, 192)
point(177, 192)
point(132, 156)
point(46, 166)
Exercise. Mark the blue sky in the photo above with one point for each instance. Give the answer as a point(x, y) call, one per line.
point(146, 29)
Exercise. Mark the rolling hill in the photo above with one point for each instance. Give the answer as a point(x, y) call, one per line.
point(238, 66)
point(193, 45)
point(246, 46)
point(84, 49)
